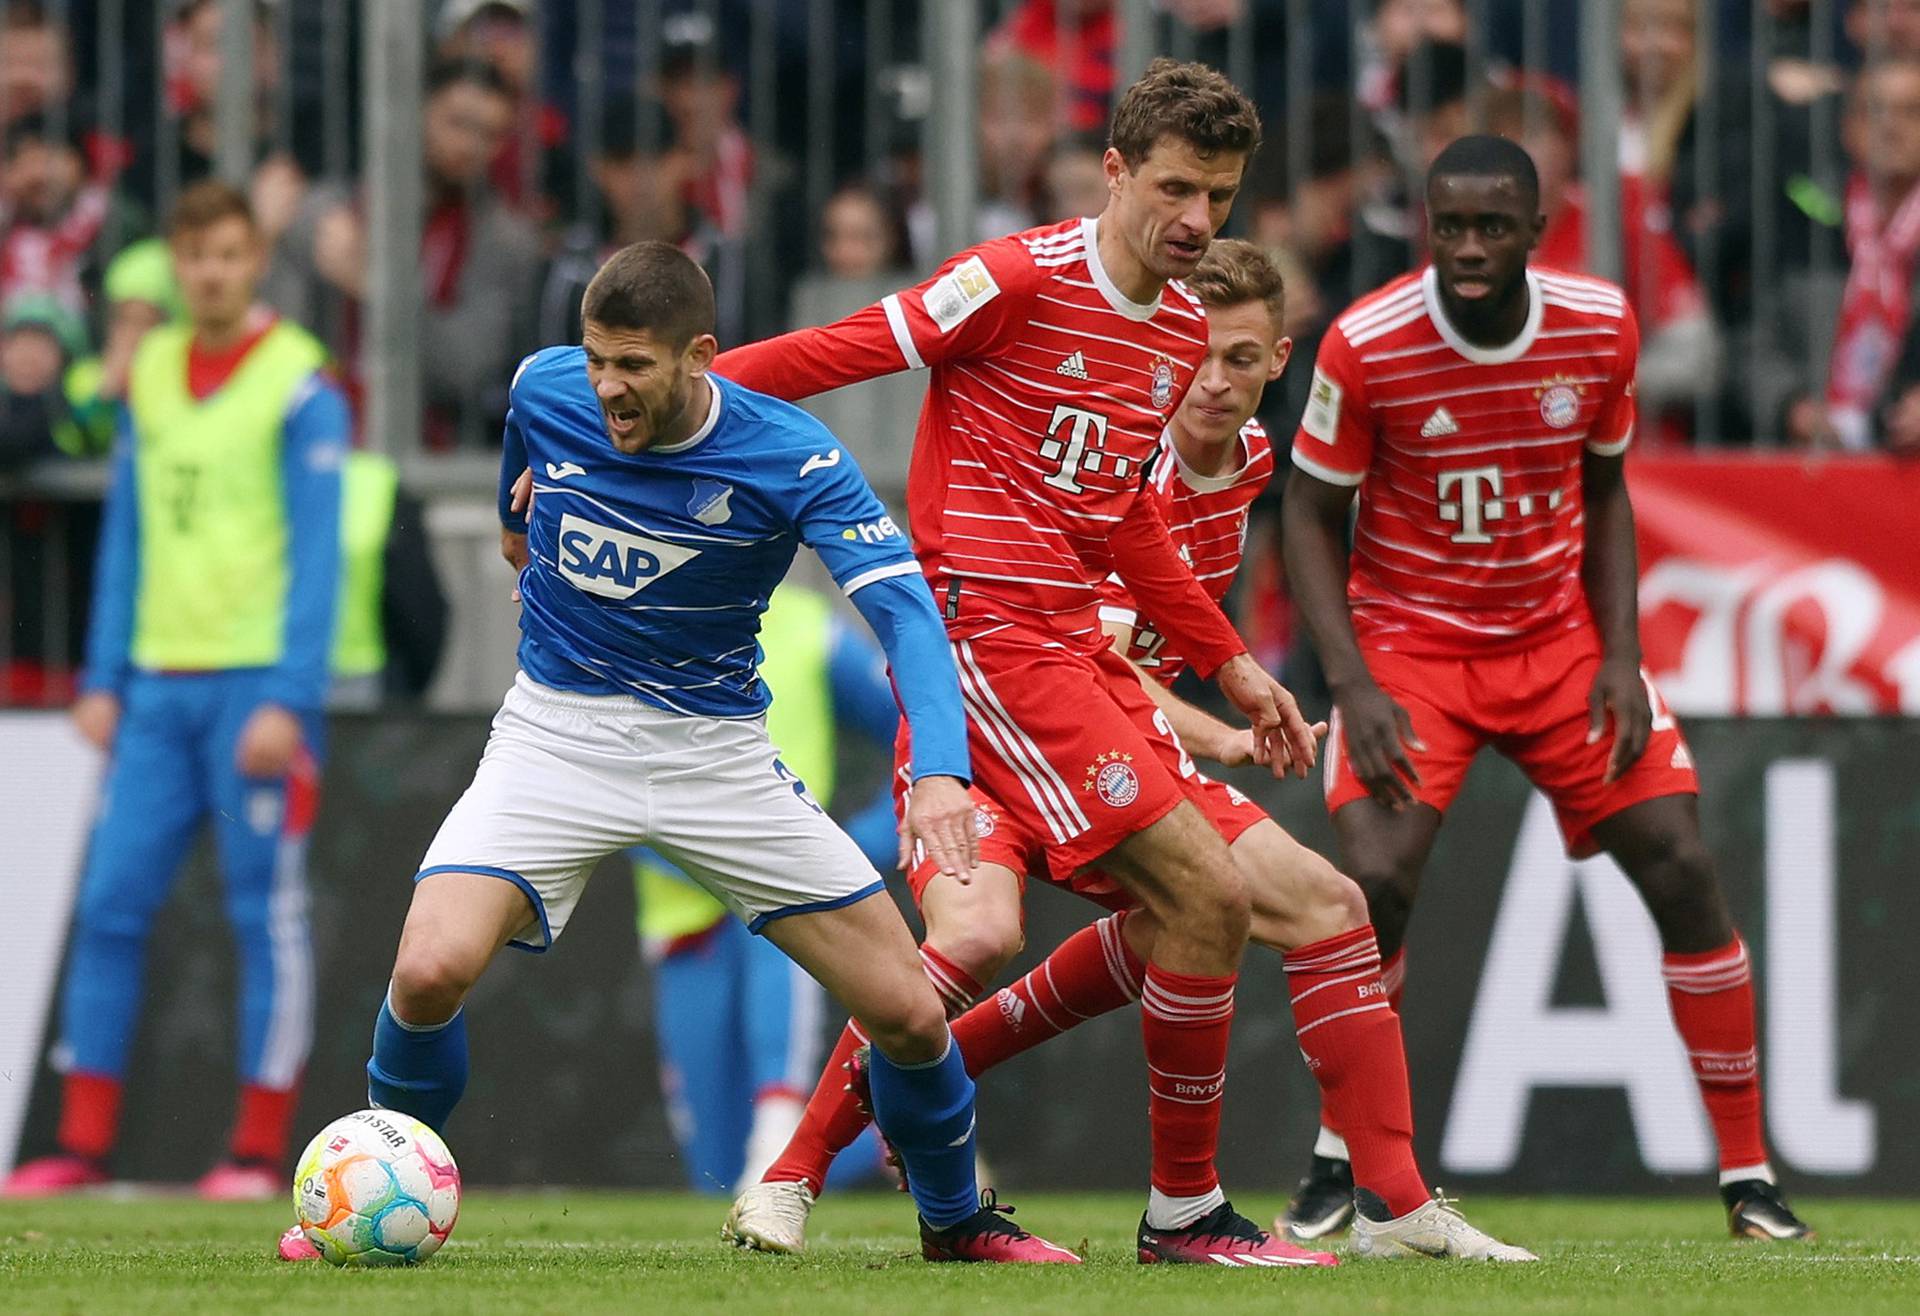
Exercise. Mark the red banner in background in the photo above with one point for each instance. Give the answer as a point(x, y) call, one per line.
point(1780, 584)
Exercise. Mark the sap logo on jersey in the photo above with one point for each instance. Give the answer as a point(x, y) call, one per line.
point(615, 564)
point(872, 532)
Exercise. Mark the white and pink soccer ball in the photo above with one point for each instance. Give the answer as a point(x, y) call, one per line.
point(376, 1188)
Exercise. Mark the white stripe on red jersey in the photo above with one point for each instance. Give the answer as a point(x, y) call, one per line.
point(1471, 517)
point(1050, 389)
point(1207, 520)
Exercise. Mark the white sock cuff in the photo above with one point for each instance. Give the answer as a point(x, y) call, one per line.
point(1164, 1212)
point(924, 1064)
point(1764, 1170)
point(419, 1028)
point(1331, 1145)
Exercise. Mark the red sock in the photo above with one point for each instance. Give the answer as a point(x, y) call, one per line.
point(266, 1116)
point(1393, 977)
point(1088, 974)
point(89, 1114)
point(1185, 1020)
point(833, 1118)
point(1712, 999)
point(1351, 1038)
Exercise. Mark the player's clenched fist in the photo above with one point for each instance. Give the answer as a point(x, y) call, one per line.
point(940, 817)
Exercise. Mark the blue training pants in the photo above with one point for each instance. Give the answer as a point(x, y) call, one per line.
point(172, 769)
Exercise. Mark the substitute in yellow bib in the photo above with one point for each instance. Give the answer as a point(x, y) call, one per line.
point(207, 667)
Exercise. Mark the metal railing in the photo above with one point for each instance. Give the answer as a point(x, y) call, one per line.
point(761, 110)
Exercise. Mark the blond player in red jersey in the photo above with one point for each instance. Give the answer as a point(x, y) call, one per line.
point(1213, 461)
point(1057, 358)
point(1483, 411)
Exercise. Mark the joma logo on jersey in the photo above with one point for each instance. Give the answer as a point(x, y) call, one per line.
point(872, 532)
point(1474, 498)
point(615, 564)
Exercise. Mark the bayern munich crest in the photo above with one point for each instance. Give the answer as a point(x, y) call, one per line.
point(983, 823)
point(1162, 381)
point(1113, 779)
point(1559, 402)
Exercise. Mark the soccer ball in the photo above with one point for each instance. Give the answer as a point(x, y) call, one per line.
point(376, 1188)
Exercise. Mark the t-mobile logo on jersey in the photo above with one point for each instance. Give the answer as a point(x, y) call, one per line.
point(1075, 440)
point(1480, 500)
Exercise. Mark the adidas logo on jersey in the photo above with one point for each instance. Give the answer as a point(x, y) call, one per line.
point(1074, 367)
point(1440, 424)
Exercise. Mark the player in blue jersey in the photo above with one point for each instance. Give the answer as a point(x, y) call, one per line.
point(669, 505)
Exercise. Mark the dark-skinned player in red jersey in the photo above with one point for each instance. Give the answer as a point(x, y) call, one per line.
point(1482, 410)
point(1058, 357)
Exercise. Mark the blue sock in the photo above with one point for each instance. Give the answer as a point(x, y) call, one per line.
point(926, 1110)
point(419, 1071)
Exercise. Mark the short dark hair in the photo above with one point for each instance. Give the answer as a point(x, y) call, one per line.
point(453, 72)
point(1235, 271)
point(1483, 155)
point(39, 128)
point(1188, 101)
point(655, 287)
point(205, 204)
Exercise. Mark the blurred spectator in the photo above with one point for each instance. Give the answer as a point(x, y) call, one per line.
point(1076, 177)
point(1387, 43)
point(480, 261)
point(1853, 320)
point(1016, 134)
point(55, 223)
point(701, 95)
point(863, 235)
point(36, 62)
point(42, 342)
point(532, 167)
point(1681, 351)
point(1076, 38)
point(1317, 226)
point(642, 195)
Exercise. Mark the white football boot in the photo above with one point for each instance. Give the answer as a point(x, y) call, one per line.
point(1436, 1229)
point(770, 1217)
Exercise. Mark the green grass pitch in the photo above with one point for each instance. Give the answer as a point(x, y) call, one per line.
point(580, 1253)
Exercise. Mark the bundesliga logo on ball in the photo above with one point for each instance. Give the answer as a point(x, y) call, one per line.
point(376, 1188)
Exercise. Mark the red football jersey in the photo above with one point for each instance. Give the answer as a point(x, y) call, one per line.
point(1470, 527)
point(1207, 520)
point(1049, 391)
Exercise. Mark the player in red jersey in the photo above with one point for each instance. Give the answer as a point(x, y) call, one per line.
point(1483, 410)
point(1057, 358)
point(1213, 461)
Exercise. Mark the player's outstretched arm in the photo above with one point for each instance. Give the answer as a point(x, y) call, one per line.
point(116, 571)
point(1610, 574)
point(1378, 732)
point(968, 306)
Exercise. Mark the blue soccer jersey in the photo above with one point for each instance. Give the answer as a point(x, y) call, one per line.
point(648, 571)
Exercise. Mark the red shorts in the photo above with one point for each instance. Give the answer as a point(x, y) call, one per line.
point(1033, 713)
point(1532, 707)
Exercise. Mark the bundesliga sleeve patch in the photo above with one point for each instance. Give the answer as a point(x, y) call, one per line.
point(1323, 409)
point(960, 293)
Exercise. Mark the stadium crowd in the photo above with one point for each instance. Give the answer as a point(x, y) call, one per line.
point(1769, 189)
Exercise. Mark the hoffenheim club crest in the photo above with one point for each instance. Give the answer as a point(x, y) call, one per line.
point(711, 503)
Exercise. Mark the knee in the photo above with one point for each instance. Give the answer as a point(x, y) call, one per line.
point(1682, 890)
point(911, 1029)
point(1215, 904)
point(1332, 902)
point(984, 945)
point(430, 980)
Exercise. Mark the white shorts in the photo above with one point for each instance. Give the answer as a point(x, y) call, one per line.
point(568, 779)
